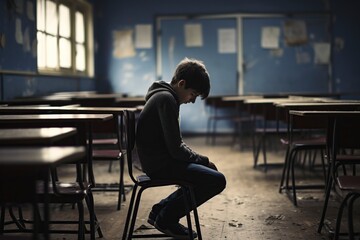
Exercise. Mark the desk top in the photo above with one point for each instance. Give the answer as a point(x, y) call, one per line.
point(52, 100)
point(54, 118)
point(63, 109)
point(34, 135)
point(129, 101)
point(315, 104)
point(280, 100)
point(98, 96)
point(326, 113)
point(239, 98)
point(39, 156)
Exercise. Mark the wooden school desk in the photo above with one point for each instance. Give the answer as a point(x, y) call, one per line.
point(283, 108)
point(98, 99)
point(264, 110)
point(295, 125)
point(333, 118)
point(117, 120)
point(82, 122)
point(129, 101)
point(22, 168)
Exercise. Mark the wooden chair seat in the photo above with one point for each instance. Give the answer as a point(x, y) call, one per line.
point(64, 192)
point(105, 141)
point(106, 154)
point(349, 183)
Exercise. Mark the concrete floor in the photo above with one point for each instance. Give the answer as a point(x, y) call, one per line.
point(250, 207)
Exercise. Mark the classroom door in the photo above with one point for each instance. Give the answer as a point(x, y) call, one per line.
point(289, 68)
point(222, 67)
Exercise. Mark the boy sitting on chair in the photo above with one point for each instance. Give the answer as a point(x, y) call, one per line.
point(164, 155)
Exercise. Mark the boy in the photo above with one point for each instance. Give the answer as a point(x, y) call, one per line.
point(163, 154)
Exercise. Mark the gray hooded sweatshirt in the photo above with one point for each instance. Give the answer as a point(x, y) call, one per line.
point(158, 137)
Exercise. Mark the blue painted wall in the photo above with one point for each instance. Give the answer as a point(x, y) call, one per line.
point(346, 70)
point(134, 75)
point(122, 74)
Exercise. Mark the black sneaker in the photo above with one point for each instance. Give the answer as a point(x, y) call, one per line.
point(152, 218)
point(154, 213)
point(177, 231)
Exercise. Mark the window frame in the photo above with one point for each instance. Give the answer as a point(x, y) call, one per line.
point(86, 9)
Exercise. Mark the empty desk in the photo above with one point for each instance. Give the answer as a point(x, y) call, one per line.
point(22, 168)
point(34, 136)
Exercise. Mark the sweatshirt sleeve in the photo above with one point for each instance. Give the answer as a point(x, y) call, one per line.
point(168, 111)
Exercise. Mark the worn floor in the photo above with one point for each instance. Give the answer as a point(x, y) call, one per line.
point(250, 207)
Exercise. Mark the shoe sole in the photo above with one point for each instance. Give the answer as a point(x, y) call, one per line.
point(151, 222)
point(151, 219)
point(172, 235)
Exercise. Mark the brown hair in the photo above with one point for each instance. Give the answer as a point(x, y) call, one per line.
point(195, 75)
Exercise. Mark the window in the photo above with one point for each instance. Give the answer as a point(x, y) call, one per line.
point(64, 37)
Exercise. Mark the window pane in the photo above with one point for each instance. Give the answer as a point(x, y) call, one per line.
point(40, 19)
point(80, 57)
point(51, 52)
point(65, 53)
point(51, 18)
point(64, 19)
point(62, 36)
point(80, 28)
point(41, 50)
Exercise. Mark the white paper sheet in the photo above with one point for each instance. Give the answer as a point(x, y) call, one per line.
point(193, 35)
point(123, 44)
point(227, 40)
point(322, 53)
point(143, 36)
point(270, 37)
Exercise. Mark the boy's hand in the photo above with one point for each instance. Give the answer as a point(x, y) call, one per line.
point(203, 160)
point(212, 166)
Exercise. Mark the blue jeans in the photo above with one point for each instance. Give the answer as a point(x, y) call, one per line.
point(207, 183)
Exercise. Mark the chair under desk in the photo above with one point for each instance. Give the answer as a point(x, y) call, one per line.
point(224, 108)
point(265, 110)
point(264, 123)
point(83, 124)
point(19, 138)
point(343, 132)
point(241, 117)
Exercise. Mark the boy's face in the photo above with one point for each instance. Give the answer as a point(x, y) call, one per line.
point(185, 95)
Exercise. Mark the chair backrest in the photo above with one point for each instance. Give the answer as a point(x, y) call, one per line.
point(129, 139)
point(346, 133)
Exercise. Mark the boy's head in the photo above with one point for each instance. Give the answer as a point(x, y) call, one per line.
point(195, 75)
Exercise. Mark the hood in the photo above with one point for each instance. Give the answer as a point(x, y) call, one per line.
point(160, 86)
